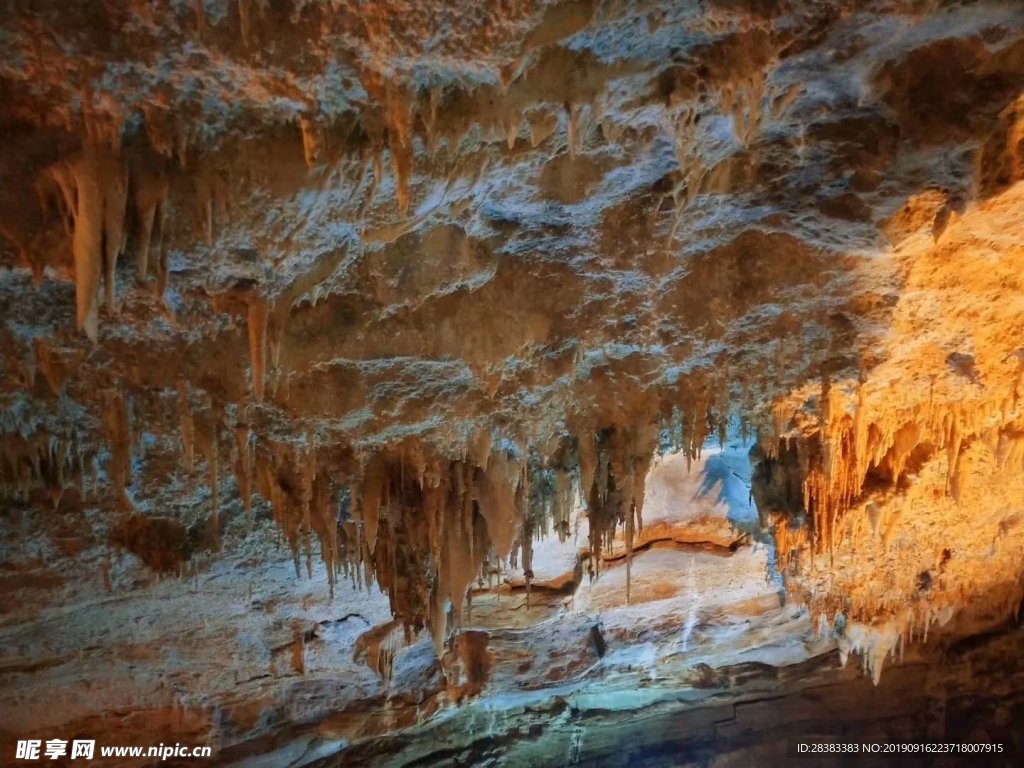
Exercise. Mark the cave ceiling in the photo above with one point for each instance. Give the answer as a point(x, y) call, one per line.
point(424, 290)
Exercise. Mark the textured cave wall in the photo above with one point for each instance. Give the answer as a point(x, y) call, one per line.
point(316, 302)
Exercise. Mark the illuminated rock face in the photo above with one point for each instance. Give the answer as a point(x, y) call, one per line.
point(393, 367)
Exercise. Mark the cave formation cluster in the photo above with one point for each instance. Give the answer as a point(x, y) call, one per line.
point(406, 291)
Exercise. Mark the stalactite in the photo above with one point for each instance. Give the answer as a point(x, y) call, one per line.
point(117, 429)
point(310, 141)
point(83, 489)
point(149, 201)
point(573, 132)
point(616, 496)
point(848, 449)
point(373, 497)
point(879, 473)
point(377, 168)
point(87, 247)
point(38, 459)
point(306, 466)
point(562, 506)
point(244, 469)
point(207, 436)
point(298, 658)
point(213, 472)
point(512, 132)
point(245, 20)
point(276, 322)
point(429, 117)
point(206, 204)
point(115, 199)
point(398, 120)
point(200, 10)
point(587, 461)
point(424, 525)
point(210, 448)
point(377, 648)
point(50, 365)
point(462, 546)
point(401, 165)
point(258, 317)
point(161, 267)
point(874, 643)
point(526, 539)
point(276, 480)
point(495, 492)
point(93, 191)
point(325, 525)
point(186, 426)
point(541, 124)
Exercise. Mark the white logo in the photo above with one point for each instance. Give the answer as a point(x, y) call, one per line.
point(82, 749)
point(56, 748)
point(28, 750)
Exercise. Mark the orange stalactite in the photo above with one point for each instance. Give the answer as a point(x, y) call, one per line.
point(244, 469)
point(117, 429)
point(258, 320)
